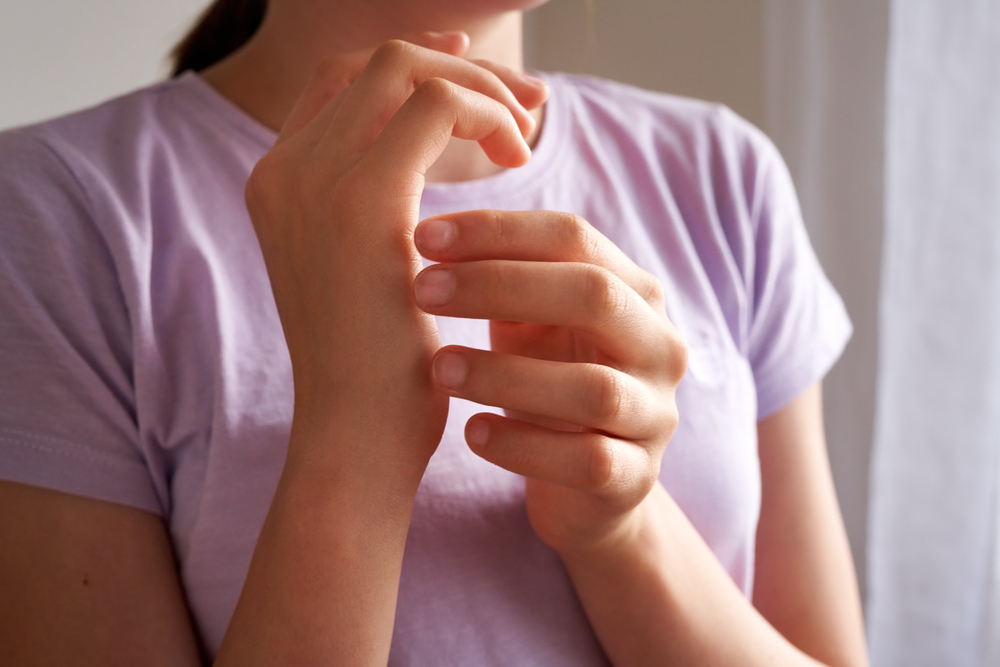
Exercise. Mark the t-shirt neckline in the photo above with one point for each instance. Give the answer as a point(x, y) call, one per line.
point(226, 111)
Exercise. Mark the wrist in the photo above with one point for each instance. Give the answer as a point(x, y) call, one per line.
point(383, 419)
point(341, 451)
point(623, 537)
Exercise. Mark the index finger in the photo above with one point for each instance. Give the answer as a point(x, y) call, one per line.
point(335, 74)
point(538, 236)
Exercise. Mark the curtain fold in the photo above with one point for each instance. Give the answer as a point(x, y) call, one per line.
point(824, 84)
point(935, 463)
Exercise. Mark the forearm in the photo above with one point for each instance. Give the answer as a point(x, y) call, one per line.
point(804, 579)
point(324, 577)
point(655, 594)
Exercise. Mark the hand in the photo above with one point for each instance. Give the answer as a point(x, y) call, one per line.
point(584, 362)
point(334, 204)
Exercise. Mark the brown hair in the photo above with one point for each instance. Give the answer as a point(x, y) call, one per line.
point(221, 29)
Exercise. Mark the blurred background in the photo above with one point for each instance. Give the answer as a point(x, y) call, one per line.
point(888, 114)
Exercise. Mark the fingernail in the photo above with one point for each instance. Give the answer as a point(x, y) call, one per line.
point(534, 80)
point(435, 235)
point(435, 287)
point(450, 369)
point(478, 432)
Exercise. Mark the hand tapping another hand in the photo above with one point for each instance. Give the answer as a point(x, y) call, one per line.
point(584, 362)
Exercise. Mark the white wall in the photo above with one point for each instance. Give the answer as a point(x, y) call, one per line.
point(711, 49)
point(825, 109)
point(60, 55)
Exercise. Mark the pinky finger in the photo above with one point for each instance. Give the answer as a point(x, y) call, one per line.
point(586, 461)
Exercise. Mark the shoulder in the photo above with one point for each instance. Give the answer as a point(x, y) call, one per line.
point(84, 154)
point(696, 163)
point(116, 170)
point(133, 141)
point(686, 127)
point(54, 175)
point(701, 153)
point(96, 130)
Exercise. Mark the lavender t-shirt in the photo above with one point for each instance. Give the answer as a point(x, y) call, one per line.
point(142, 361)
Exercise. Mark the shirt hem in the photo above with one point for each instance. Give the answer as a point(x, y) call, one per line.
point(39, 461)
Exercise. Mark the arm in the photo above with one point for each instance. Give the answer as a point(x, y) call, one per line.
point(663, 578)
point(586, 362)
point(87, 582)
point(341, 185)
point(805, 583)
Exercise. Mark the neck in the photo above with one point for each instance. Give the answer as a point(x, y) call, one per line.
point(266, 76)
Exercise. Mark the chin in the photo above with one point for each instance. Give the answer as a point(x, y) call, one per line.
point(415, 15)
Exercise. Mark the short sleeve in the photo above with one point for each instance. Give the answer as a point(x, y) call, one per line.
point(798, 323)
point(67, 405)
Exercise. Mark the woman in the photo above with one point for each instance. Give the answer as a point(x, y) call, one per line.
point(260, 397)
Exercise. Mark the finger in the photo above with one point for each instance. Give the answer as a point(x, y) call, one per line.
point(585, 297)
point(589, 395)
point(589, 462)
point(439, 109)
point(335, 74)
point(530, 91)
point(396, 70)
point(453, 42)
point(538, 236)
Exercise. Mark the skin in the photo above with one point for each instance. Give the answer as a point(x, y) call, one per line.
point(585, 346)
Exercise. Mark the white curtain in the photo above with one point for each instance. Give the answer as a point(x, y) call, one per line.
point(824, 92)
point(932, 533)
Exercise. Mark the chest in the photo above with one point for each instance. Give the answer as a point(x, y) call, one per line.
point(215, 397)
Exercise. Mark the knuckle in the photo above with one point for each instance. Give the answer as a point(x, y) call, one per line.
point(663, 417)
point(498, 225)
point(435, 91)
point(651, 289)
point(484, 68)
point(645, 481)
point(489, 79)
point(484, 65)
point(677, 357)
point(492, 82)
point(671, 419)
point(391, 54)
point(603, 293)
point(608, 395)
point(584, 244)
point(263, 183)
point(500, 288)
point(514, 454)
point(602, 464)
